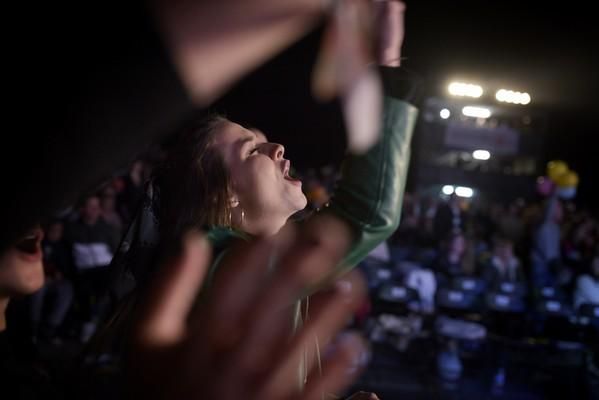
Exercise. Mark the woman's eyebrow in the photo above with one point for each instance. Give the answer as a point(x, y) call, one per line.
point(260, 136)
point(241, 143)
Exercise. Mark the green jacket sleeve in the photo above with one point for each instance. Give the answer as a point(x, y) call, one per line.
point(370, 191)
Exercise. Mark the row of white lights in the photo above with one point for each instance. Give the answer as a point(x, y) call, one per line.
point(462, 89)
point(509, 96)
point(465, 89)
point(460, 191)
point(469, 111)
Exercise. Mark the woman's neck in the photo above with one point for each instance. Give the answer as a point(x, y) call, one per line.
point(263, 226)
point(3, 305)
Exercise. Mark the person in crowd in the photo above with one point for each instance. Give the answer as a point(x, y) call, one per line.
point(428, 205)
point(546, 247)
point(223, 177)
point(161, 331)
point(503, 266)
point(129, 198)
point(194, 75)
point(449, 218)
point(109, 209)
point(50, 304)
point(189, 40)
point(451, 257)
point(587, 285)
point(511, 225)
point(580, 242)
point(93, 243)
point(21, 273)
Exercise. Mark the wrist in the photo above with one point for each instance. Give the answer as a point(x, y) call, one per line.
point(389, 58)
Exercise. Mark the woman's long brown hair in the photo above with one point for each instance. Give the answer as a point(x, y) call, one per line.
point(194, 182)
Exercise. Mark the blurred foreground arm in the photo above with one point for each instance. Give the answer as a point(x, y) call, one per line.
point(370, 192)
point(214, 43)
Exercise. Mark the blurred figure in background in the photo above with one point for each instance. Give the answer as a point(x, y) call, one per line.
point(22, 375)
point(450, 263)
point(546, 256)
point(580, 243)
point(449, 218)
point(109, 208)
point(50, 304)
point(132, 191)
point(510, 223)
point(503, 266)
point(93, 243)
point(587, 285)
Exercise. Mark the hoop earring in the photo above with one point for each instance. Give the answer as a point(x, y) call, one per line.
point(231, 218)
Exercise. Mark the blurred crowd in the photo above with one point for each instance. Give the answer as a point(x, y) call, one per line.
point(78, 247)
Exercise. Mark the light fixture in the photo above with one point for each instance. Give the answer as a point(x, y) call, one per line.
point(465, 89)
point(510, 96)
point(464, 191)
point(481, 155)
point(447, 190)
point(476, 112)
point(445, 113)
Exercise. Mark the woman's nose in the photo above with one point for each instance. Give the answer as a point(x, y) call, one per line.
point(277, 151)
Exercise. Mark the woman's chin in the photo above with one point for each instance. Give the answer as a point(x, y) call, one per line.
point(27, 278)
point(303, 203)
point(33, 280)
point(298, 203)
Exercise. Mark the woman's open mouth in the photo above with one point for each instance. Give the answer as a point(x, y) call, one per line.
point(30, 247)
point(287, 176)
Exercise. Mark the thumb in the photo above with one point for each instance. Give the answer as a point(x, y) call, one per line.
point(172, 293)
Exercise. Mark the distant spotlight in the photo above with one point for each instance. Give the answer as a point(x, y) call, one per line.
point(445, 113)
point(509, 96)
point(465, 89)
point(501, 95)
point(447, 189)
point(481, 155)
point(476, 112)
point(464, 191)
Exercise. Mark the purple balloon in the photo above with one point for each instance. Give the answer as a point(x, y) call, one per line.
point(545, 186)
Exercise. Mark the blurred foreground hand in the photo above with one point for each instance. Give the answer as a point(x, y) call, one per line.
point(240, 344)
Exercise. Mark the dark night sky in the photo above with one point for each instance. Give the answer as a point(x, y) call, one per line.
point(545, 49)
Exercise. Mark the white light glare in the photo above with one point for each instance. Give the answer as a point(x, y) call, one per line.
point(476, 112)
point(464, 191)
point(445, 113)
point(447, 189)
point(465, 89)
point(481, 155)
point(509, 96)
